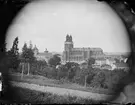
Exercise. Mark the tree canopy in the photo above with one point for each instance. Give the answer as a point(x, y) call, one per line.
point(13, 55)
point(27, 53)
point(91, 61)
point(54, 61)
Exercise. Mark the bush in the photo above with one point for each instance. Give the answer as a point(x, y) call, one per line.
point(40, 68)
point(113, 78)
point(90, 78)
point(98, 80)
point(62, 72)
point(79, 77)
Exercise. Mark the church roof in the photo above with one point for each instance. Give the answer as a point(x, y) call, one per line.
point(121, 65)
point(77, 48)
point(99, 59)
point(96, 49)
point(111, 59)
point(87, 48)
point(44, 54)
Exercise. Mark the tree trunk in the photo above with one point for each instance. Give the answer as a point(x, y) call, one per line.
point(41, 68)
point(22, 71)
point(28, 69)
point(85, 80)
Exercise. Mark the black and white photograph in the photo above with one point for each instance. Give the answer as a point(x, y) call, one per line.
point(67, 52)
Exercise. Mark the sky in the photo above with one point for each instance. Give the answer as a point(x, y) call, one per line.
point(47, 22)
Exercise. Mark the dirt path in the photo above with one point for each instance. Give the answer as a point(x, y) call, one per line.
point(62, 91)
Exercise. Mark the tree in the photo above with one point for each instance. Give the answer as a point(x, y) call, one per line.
point(55, 60)
point(98, 80)
point(13, 55)
point(71, 69)
point(62, 72)
point(27, 56)
point(91, 61)
point(89, 69)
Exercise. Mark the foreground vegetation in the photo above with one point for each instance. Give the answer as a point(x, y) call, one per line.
point(35, 97)
point(87, 77)
point(43, 81)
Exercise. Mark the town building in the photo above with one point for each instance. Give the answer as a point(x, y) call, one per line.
point(78, 55)
point(123, 66)
point(104, 63)
point(42, 55)
point(100, 61)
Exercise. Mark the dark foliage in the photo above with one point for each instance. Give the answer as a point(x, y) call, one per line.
point(12, 57)
point(55, 60)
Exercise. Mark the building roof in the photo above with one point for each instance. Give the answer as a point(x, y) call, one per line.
point(87, 48)
point(44, 54)
point(96, 49)
point(111, 59)
point(78, 49)
point(121, 65)
point(99, 59)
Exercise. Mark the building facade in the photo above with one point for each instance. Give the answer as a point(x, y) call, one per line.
point(78, 55)
point(42, 55)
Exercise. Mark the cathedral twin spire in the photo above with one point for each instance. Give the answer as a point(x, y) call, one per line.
point(68, 38)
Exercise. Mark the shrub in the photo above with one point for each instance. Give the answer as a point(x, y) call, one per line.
point(98, 80)
point(90, 78)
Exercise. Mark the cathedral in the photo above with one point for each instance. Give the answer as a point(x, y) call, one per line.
point(78, 55)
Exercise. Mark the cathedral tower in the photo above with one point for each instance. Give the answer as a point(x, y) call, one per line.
point(68, 43)
point(68, 46)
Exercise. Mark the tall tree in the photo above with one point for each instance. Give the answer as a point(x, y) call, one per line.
point(13, 55)
point(71, 69)
point(14, 48)
point(27, 56)
point(88, 71)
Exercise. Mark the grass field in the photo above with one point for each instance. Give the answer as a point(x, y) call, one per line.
point(36, 97)
point(43, 81)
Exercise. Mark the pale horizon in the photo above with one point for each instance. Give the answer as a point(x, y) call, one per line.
point(91, 24)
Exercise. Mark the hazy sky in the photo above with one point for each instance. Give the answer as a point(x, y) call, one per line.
point(91, 24)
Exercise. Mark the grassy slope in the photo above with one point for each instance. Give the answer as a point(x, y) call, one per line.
point(43, 81)
point(35, 97)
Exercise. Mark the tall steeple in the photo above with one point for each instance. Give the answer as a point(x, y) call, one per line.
point(68, 43)
point(70, 38)
point(30, 44)
point(67, 38)
point(35, 49)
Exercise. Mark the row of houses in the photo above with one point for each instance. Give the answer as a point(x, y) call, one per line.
point(107, 63)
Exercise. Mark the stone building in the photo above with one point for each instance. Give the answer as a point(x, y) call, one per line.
point(78, 55)
point(42, 55)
